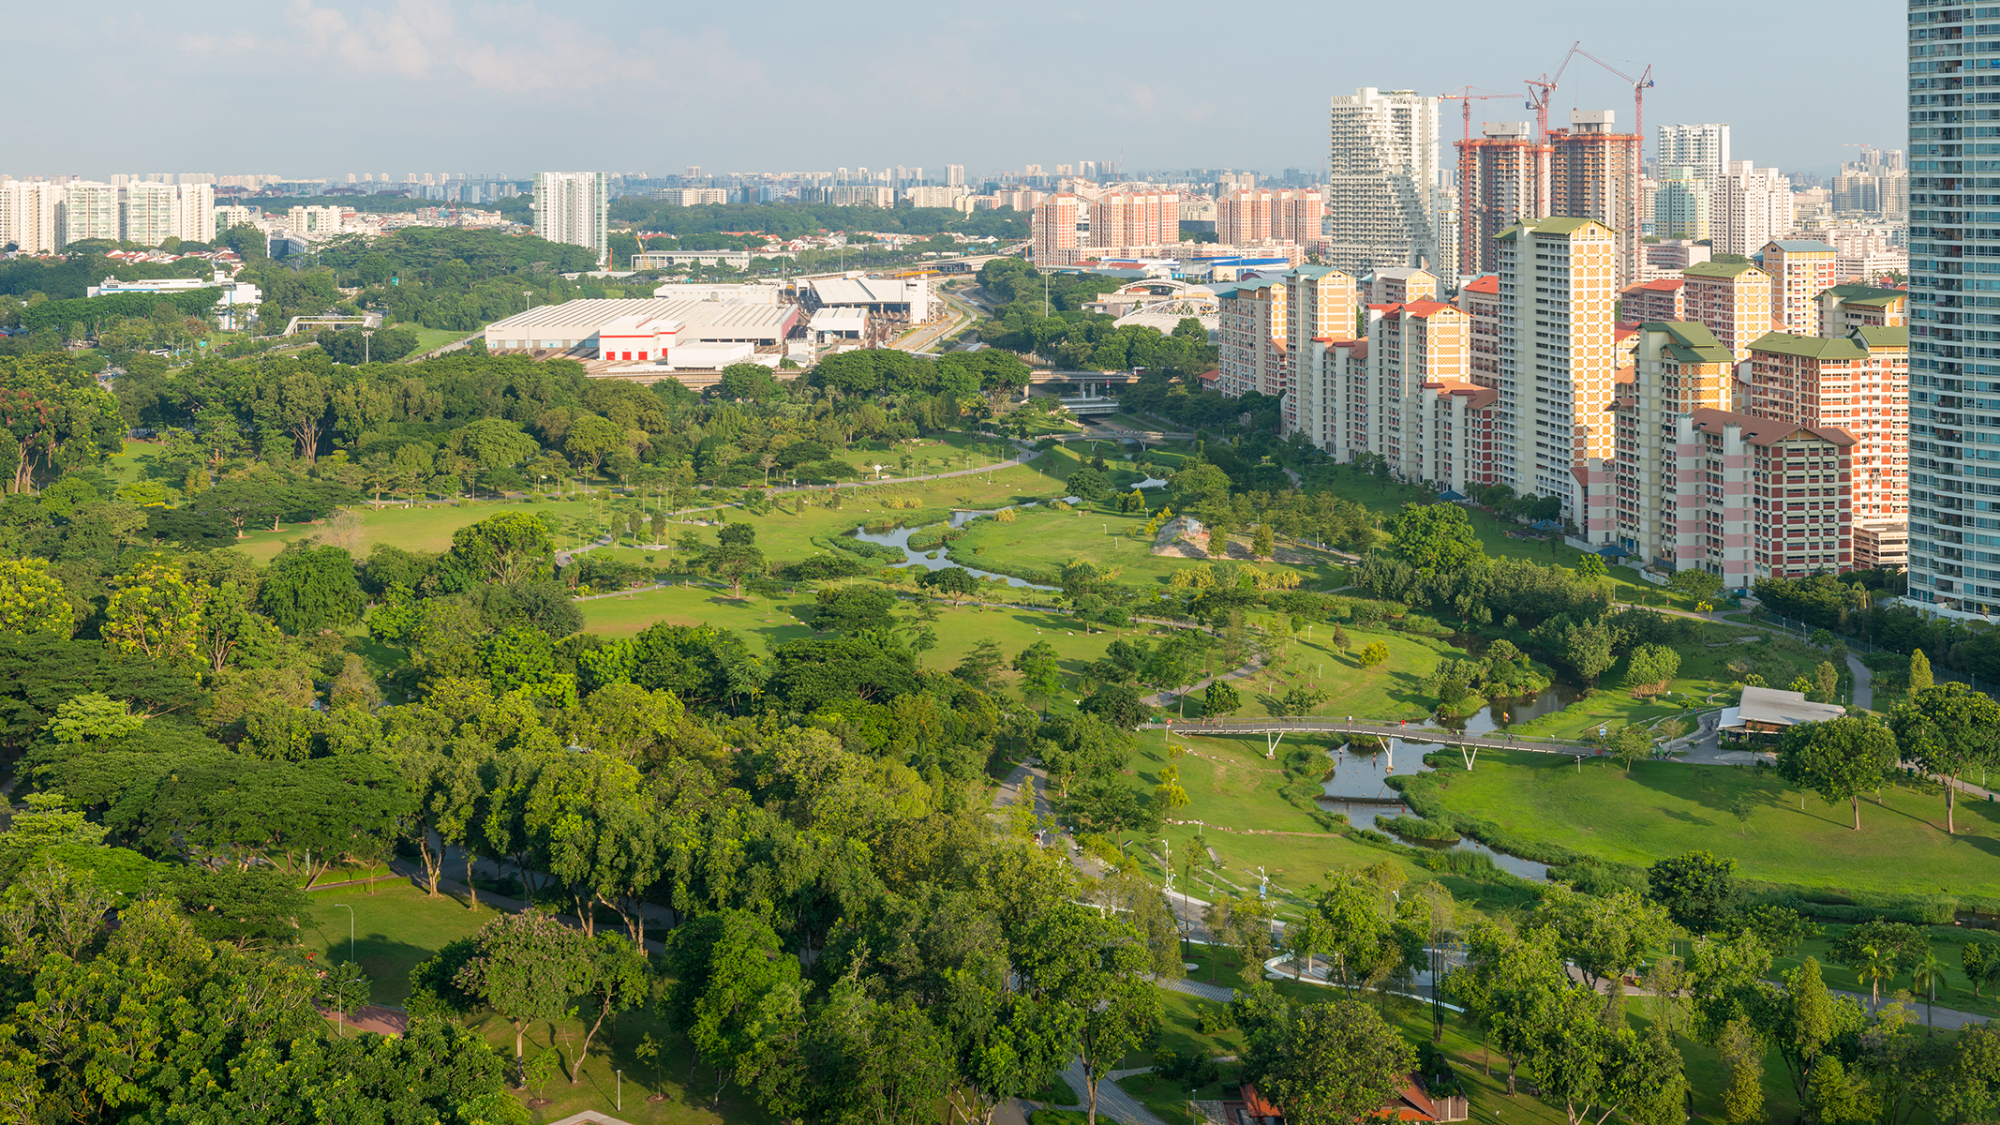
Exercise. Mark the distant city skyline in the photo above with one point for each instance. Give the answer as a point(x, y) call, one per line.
point(319, 88)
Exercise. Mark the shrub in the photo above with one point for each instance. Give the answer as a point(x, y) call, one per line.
point(1417, 828)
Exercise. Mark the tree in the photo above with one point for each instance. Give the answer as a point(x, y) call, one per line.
point(1946, 729)
point(1117, 704)
point(1095, 974)
point(852, 609)
point(736, 995)
point(308, 589)
point(1650, 668)
point(590, 438)
point(508, 548)
point(1339, 1062)
point(981, 664)
point(1697, 889)
point(1590, 567)
point(1438, 539)
point(1697, 584)
point(1262, 542)
point(32, 599)
point(1826, 681)
point(1981, 962)
point(1630, 744)
point(1221, 698)
point(1088, 485)
point(528, 969)
point(1838, 759)
point(616, 977)
point(1373, 653)
point(954, 582)
point(153, 612)
point(1920, 671)
point(1805, 1022)
point(1041, 672)
point(255, 907)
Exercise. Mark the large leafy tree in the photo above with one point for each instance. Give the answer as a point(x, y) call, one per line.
point(32, 599)
point(1339, 1062)
point(54, 417)
point(1838, 759)
point(1098, 970)
point(310, 588)
point(529, 968)
point(1697, 889)
point(1438, 538)
point(1948, 728)
point(736, 995)
point(508, 548)
point(155, 613)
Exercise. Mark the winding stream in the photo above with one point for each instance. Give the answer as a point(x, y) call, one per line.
point(1358, 786)
point(940, 559)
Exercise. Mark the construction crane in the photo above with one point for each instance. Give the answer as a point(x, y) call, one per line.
point(1639, 87)
point(1542, 90)
point(1465, 98)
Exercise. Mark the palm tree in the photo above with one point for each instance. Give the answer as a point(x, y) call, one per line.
point(1925, 979)
point(1877, 965)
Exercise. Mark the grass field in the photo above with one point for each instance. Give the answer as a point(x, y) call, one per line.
point(1667, 808)
point(425, 528)
point(1046, 539)
point(395, 928)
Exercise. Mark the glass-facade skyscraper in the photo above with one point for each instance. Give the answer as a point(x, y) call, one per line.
point(1954, 104)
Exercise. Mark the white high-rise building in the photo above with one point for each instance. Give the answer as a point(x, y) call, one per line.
point(87, 209)
point(28, 216)
point(954, 175)
point(194, 213)
point(1558, 363)
point(1703, 149)
point(572, 207)
point(1380, 203)
point(145, 212)
point(1749, 207)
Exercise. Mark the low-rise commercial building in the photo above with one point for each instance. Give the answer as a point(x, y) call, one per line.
point(640, 324)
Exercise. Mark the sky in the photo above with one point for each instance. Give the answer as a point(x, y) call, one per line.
point(322, 88)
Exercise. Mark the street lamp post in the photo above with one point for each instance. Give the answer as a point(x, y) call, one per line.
point(350, 929)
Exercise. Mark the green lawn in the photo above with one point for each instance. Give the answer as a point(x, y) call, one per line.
point(1045, 539)
point(428, 338)
point(1946, 943)
point(427, 527)
point(395, 928)
point(1704, 679)
point(1667, 808)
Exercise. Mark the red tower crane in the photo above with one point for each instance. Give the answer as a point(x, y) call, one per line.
point(1465, 98)
point(1639, 87)
point(1543, 90)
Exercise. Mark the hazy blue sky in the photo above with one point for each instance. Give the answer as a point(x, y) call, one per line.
point(327, 87)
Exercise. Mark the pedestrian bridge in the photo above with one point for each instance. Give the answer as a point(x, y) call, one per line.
point(1275, 729)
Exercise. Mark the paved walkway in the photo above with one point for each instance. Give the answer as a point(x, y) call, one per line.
point(371, 1017)
point(1864, 683)
point(1112, 1102)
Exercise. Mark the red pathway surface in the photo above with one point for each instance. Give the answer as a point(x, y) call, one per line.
point(372, 1017)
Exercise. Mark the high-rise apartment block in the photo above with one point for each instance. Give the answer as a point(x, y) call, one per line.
point(1557, 359)
point(1678, 367)
point(146, 212)
point(572, 207)
point(1800, 270)
point(1770, 497)
point(1251, 333)
point(1135, 218)
point(1504, 174)
point(88, 209)
point(1594, 174)
point(1702, 149)
point(1954, 327)
point(1054, 237)
point(194, 212)
point(1479, 300)
point(1844, 308)
point(1749, 207)
point(954, 175)
point(1402, 286)
point(1732, 300)
point(1858, 383)
point(1662, 299)
point(29, 216)
point(1681, 204)
point(1410, 347)
point(1382, 187)
point(1250, 215)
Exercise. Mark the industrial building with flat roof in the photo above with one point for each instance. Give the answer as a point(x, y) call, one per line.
point(575, 325)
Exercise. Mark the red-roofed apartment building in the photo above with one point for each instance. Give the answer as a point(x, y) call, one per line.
point(1660, 299)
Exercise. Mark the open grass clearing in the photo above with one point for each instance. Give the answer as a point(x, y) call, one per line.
point(426, 527)
point(1667, 808)
point(396, 927)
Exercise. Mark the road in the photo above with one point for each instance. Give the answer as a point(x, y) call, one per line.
point(925, 336)
point(1307, 724)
